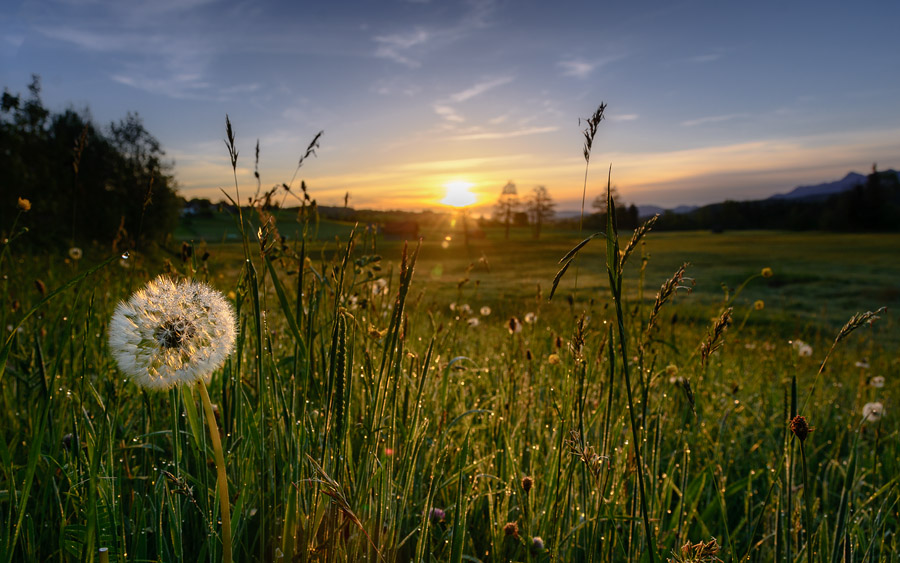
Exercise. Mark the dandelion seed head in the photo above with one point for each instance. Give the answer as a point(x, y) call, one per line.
point(171, 332)
point(877, 381)
point(873, 412)
point(473, 321)
point(530, 318)
point(75, 253)
point(485, 311)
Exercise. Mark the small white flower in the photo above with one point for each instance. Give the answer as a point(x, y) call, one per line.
point(485, 311)
point(877, 381)
point(473, 321)
point(803, 349)
point(379, 286)
point(530, 318)
point(172, 332)
point(872, 412)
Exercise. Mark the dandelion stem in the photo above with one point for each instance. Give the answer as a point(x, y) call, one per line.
point(807, 503)
point(222, 485)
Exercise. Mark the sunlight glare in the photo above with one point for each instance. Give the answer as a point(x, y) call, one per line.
point(458, 194)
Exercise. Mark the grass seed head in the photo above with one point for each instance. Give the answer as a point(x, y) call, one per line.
point(527, 484)
point(511, 529)
point(800, 427)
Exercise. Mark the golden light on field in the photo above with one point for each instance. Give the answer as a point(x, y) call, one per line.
point(458, 194)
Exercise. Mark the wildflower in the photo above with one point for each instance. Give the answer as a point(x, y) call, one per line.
point(537, 543)
point(759, 304)
point(800, 427)
point(485, 311)
point(872, 412)
point(877, 382)
point(514, 325)
point(437, 515)
point(172, 332)
point(379, 286)
point(553, 359)
point(24, 204)
point(527, 483)
point(530, 318)
point(465, 309)
point(803, 349)
point(767, 272)
point(453, 306)
point(473, 321)
point(511, 529)
point(75, 253)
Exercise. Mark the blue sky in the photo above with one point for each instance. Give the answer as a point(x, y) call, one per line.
point(706, 100)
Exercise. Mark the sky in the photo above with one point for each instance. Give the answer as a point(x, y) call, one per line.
point(706, 100)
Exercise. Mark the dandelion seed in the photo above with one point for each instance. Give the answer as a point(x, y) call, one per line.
point(485, 311)
point(803, 349)
point(877, 382)
point(530, 318)
point(75, 253)
point(24, 204)
point(767, 272)
point(171, 332)
point(759, 304)
point(873, 412)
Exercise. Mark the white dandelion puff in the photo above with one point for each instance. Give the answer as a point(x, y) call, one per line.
point(485, 311)
point(473, 321)
point(75, 253)
point(803, 349)
point(877, 381)
point(530, 318)
point(863, 364)
point(465, 309)
point(872, 412)
point(172, 331)
point(514, 325)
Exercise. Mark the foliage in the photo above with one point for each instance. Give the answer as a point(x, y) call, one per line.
point(84, 185)
point(541, 208)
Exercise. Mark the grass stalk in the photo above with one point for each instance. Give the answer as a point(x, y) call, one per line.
point(222, 477)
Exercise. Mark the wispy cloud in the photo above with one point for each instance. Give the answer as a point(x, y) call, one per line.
point(399, 47)
point(448, 113)
point(505, 134)
point(581, 68)
point(480, 88)
point(713, 119)
point(624, 117)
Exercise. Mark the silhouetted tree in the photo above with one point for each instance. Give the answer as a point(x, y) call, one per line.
point(506, 207)
point(83, 185)
point(540, 208)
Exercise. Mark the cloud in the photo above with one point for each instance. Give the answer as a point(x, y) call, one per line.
point(624, 117)
point(505, 134)
point(448, 113)
point(396, 47)
point(713, 119)
point(480, 88)
point(580, 68)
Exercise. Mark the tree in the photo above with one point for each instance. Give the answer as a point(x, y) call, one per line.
point(540, 208)
point(84, 184)
point(506, 207)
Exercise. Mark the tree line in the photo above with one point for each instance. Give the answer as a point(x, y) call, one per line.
point(84, 184)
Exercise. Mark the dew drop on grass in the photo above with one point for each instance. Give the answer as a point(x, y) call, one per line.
point(126, 255)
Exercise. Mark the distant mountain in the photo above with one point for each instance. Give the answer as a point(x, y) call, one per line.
point(822, 191)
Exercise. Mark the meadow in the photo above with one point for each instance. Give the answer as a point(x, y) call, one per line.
point(428, 401)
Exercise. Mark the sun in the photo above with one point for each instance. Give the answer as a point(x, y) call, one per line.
point(458, 194)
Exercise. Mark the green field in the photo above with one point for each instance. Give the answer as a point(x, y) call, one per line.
point(370, 420)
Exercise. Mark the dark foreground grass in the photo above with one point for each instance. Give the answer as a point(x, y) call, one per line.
point(364, 418)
